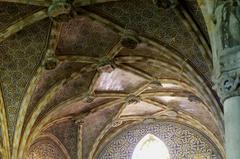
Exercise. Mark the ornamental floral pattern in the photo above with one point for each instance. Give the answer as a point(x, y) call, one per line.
point(45, 149)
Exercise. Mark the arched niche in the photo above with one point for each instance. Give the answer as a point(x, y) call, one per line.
point(152, 147)
point(181, 140)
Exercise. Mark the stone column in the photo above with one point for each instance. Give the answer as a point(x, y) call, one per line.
point(225, 41)
point(232, 127)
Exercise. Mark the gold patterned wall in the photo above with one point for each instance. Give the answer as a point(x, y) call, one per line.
point(183, 141)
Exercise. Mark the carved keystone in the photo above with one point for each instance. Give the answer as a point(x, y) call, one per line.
point(89, 98)
point(117, 123)
point(156, 82)
point(149, 120)
point(193, 98)
point(129, 40)
point(60, 10)
point(132, 99)
point(106, 66)
point(171, 113)
point(50, 61)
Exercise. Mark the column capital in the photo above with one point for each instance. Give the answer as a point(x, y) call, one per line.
point(227, 85)
point(226, 48)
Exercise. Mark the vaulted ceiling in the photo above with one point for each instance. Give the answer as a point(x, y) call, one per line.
point(109, 62)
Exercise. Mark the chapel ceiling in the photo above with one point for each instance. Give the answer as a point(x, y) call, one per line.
point(105, 62)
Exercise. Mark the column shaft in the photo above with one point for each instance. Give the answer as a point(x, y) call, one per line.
point(232, 127)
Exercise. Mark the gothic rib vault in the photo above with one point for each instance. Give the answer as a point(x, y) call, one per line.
point(72, 76)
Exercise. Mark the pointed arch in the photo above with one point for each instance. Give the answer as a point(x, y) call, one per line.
point(152, 147)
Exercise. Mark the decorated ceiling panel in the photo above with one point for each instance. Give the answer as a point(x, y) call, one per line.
point(194, 107)
point(50, 77)
point(20, 56)
point(67, 134)
point(93, 128)
point(11, 12)
point(164, 26)
point(196, 12)
point(73, 88)
point(146, 19)
point(82, 36)
point(76, 108)
point(155, 72)
point(141, 108)
point(119, 80)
